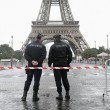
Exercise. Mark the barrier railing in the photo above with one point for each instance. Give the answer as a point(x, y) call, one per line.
point(75, 67)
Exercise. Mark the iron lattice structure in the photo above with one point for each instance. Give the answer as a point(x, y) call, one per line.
point(67, 27)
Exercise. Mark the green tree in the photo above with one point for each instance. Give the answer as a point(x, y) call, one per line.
point(18, 54)
point(101, 49)
point(92, 52)
point(6, 52)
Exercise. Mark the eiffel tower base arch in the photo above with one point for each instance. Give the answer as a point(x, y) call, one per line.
point(69, 33)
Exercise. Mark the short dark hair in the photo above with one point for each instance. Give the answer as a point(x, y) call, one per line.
point(39, 36)
point(57, 36)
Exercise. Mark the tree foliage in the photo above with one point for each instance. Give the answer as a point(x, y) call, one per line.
point(18, 54)
point(92, 52)
point(101, 49)
point(89, 53)
point(5, 51)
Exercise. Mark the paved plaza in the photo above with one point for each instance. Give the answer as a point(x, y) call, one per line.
point(87, 87)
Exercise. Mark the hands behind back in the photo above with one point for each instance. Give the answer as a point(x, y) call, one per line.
point(34, 63)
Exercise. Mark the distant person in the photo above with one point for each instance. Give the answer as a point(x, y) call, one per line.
point(61, 56)
point(35, 53)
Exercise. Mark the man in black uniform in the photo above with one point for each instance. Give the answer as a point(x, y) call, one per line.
point(61, 56)
point(35, 53)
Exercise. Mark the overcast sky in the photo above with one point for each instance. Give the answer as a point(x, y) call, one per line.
point(16, 17)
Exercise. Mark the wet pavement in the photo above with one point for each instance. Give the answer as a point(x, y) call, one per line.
point(87, 87)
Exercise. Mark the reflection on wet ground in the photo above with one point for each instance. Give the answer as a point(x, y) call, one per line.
point(87, 87)
point(60, 105)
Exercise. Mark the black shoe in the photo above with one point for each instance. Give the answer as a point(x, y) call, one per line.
point(67, 96)
point(35, 97)
point(60, 97)
point(23, 98)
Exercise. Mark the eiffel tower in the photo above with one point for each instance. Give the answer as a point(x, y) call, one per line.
point(67, 27)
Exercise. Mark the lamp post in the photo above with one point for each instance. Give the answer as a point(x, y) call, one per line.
point(12, 41)
point(12, 51)
point(22, 60)
point(107, 48)
point(95, 51)
point(95, 44)
point(77, 57)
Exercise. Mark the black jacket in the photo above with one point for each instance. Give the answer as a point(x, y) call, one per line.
point(59, 52)
point(35, 51)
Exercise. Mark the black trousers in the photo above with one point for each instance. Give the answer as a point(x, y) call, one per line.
point(61, 77)
point(37, 75)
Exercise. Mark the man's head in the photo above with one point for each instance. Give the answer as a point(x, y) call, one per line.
point(39, 36)
point(57, 37)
